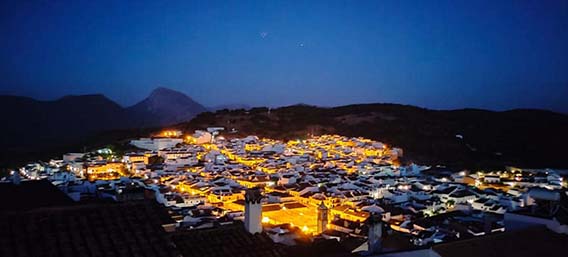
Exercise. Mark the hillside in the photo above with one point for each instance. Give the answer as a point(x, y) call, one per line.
point(32, 128)
point(487, 139)
point(30, 123)
point(529, 138)
point(164, 107)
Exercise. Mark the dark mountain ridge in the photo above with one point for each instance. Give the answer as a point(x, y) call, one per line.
point(164, 107)
point(466, 138)
point(228, 107)
point(28, 122)
point(35, 125)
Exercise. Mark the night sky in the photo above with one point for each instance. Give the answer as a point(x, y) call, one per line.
point(439, 54)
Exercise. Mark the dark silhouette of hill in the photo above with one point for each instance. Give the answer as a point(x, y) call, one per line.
point(31, 127)
point(466, 138)
point(228, 107)
point(31, 123)
point(164, 107)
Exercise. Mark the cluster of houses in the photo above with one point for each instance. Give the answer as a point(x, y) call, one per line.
point(325, 186)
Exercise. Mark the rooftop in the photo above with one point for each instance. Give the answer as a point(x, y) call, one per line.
point(230, 240)
point(537, 241)
point(31, 194)
point(126, 229)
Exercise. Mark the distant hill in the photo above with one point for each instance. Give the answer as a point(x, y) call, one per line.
point(31, 123)
point(469, 138)
point(30, 127)
point(466, 138)
point(228, 107)
point(164, 107)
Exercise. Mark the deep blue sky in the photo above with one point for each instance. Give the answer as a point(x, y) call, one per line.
point(439, 54)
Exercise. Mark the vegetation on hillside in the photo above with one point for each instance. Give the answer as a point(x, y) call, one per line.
point(467, 138)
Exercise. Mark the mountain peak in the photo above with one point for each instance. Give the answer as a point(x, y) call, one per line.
point(166, 106)
point(164, 90)
point(160, 94)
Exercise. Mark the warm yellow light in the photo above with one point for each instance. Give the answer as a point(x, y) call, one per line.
point(305, 228)
point(265, 220)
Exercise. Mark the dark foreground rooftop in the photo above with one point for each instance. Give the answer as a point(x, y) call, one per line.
point(536, 241)
point(30, 195)
point(231, 240)
point(126, 229)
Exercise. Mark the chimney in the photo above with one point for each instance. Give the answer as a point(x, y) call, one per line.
point(322, 217)
point(253, 210)
point(375, 233)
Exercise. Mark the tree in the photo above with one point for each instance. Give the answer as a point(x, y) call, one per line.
point(450, 203)
point(155, 160)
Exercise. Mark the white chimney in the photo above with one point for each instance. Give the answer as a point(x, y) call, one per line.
point(253, 210)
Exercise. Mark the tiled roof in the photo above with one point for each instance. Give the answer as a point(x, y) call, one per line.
point(538, 241)
point(126, 229)
point(327, 248)
point(461, 193)
point(272, 207)
point(294, 205)
point(229, 240)
point(30, 195)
